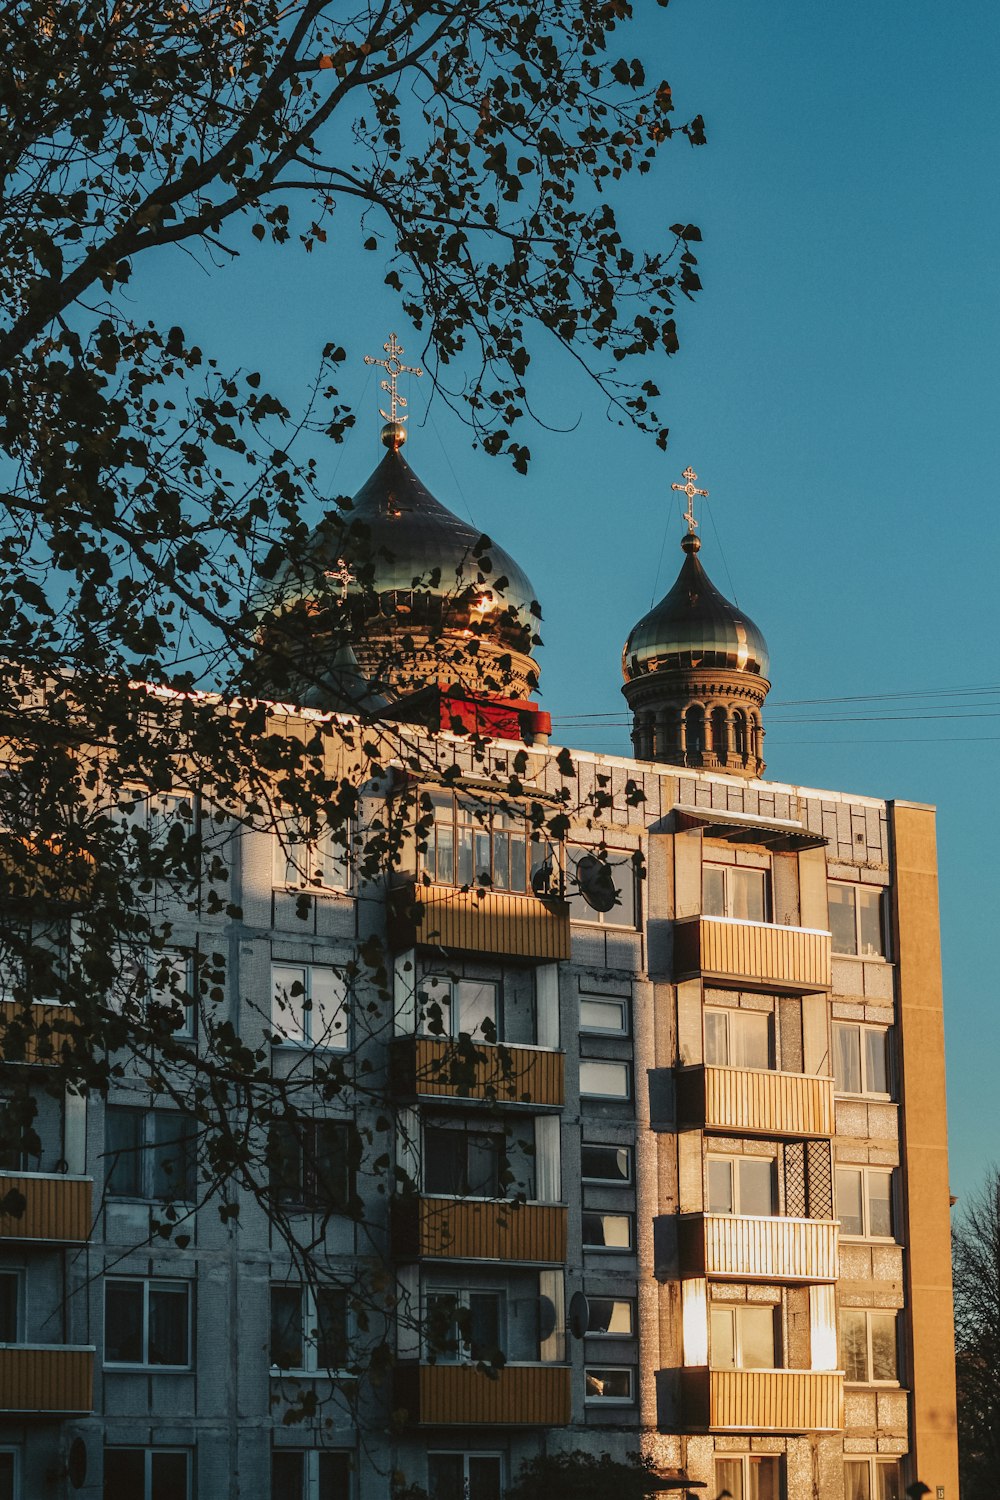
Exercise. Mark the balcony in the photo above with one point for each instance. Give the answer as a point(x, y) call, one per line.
point(46, 1378)
point(762, 1400)
point(57, 1209)
point(36, 1033)
point(461, 1395)
point(479, 921)
point(791, 959)
point(438, 1068)
point(752, 1101)
point(478, 1229)
point(758, 1249)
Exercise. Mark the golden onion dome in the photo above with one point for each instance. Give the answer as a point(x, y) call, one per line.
point(694, 627)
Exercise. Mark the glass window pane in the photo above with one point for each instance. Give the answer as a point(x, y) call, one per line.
point(847, 1058)
point(880, 1204)
point(171, 1156)
point(746, 894)
point(287, 1475)
point(876, 1062)
point(749, 1039)
point(756, 1180)
point(123, 1151)
point(714, 891)
point(485, 1334)
point(883, 1329)
point(168, 1324)
point(288, 1006)
point(484, 1476)
point(720, 1187)
point(622, 914)
point(168, 1476)
point(604, 1079)
point(328, 1017)
point(606, 1163)
point(612, 1231)
point(849, 1210)
point(765, 1478)
point(854, 1344)
point(483, 1154)
point(331, 1328)
point(716, 1038)
point(604, 1015)
point(845, 938)
point(888, 1486)
point(332, 1177)
point(870, 922)
point(608, 1384)
point(124, 1474)
point(464, 865)
point(444, 1161)
point(729, 1476)
point(123, 1322)
point(856, 1483)
point(334, 1476)
point(446, 1476)
point(477, 1010)
point(434, 1007)
point(756, 1331)
point(9, 1289)
point(445, 851)
point(610, 1315)
point(723, 1328)
point(286, 1327)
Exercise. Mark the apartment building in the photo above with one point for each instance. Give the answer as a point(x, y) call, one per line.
point(644, 1148)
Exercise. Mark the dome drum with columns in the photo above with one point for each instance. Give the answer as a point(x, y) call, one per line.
point(696, 672)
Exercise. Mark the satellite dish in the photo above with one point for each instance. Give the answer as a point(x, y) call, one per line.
point(579, 1315)
point(76, 1465)
point(546, 1318)
point(596, 883)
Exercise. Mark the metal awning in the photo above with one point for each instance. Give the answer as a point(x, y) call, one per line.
point(781, 834)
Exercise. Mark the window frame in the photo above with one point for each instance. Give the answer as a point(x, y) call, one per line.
point(614, 858)
point(609, 1333)
point(738, 1311)
point(452, 1012)
point(626, 1181)
point(310, 1330)
point(865, 1173)
point(310, 1476)
point(873, 1463)
point(305, 1194)
point(465, 1454)
point(881, 892)
point(148, 1454)
point(604, 1248)
point(735, 1162)
point(295, 850)
point(606, 1001)
point(731, 1013)
point(868, 1314)
point(606, 1062)
point(466, 1129)
point(865, 1092)
point(465, 1350)
point(146, 1156)
point(602, 1400)
point(748, 1462)
point(285, 1005)
point(766, 873)
point(148, 1284)
point(485, 819)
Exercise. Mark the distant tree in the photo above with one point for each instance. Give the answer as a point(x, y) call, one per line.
point(976, 1256)
point(584, 1476)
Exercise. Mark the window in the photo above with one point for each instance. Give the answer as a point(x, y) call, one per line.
point(605, 1013)
point(305, 860)
point(308, 1328)
point(735, 891)
point(464, 1325)
point(147, 1323)
point(464, 1476)
point(743, 1337)
point(310, 1474)
point(602, 886)
point(856, 920)
point(8, 1474)
point(11, 1305)
point(159, 986)
point(861, 1059)
point(147, 1474)
point(868, 1345)
point(312, 1164)
point(476, 842)
point(309, 1005)
point(741, 1185)
point(609, 1383)
point(872, 1479)
point(606, 1163)
point(458, 1007)
point(607, 1231)
point(864, 1202)
point(605, 1080)
point(465, 1160)
point(611, 1316)
point(737, 1038)
point(749, 1476)
point(149, 1153)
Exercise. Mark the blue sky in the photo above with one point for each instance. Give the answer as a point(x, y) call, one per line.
point(836, 390)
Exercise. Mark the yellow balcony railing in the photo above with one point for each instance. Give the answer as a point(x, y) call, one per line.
point(477, 1070)
point(461, 1395)
point(54, 1207)
point(762, 1400)
point(479, 1229)
point(37, 1033)
point(758, 1249)
point(724, 948)
point(755, 1101)
point(46, 1378)
point(479, 921)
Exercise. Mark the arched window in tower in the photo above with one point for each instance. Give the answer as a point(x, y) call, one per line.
point(719, 734)
point(695, 721)
point(740, 732)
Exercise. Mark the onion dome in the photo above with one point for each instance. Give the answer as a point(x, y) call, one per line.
point(422, 597)
point(696, 673)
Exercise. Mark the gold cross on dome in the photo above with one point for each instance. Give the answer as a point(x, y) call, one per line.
point(394, 367)
point(342, 574)
point(689, 489)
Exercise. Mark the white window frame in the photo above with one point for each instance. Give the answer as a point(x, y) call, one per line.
point(310, 1330)
point(616, 860)
point(765, 873)
point(609, 1146)
point(748, 1462)
point(854, 886)
point(594, 1399)
point(465, 1456)
point(866, 1173)
point(731, 1014)
point(606, 1063)
point(310, 1468)
point(441, 989)
point(461, 1294)
point(146, 1155)
point(734, 1163)
point(873, 1463)
point(629, 1219)
point(737, 1311)
point(865, 1092)
point(147, 1483)
point(868, 1314)
point(147, 1283)
point(294, 1017)
point(606, 1003)
point(608, 1333)
point(307, 861)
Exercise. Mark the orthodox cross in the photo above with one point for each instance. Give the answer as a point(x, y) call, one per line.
point(342, 574)
point(394, 367)
point(689, 489)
